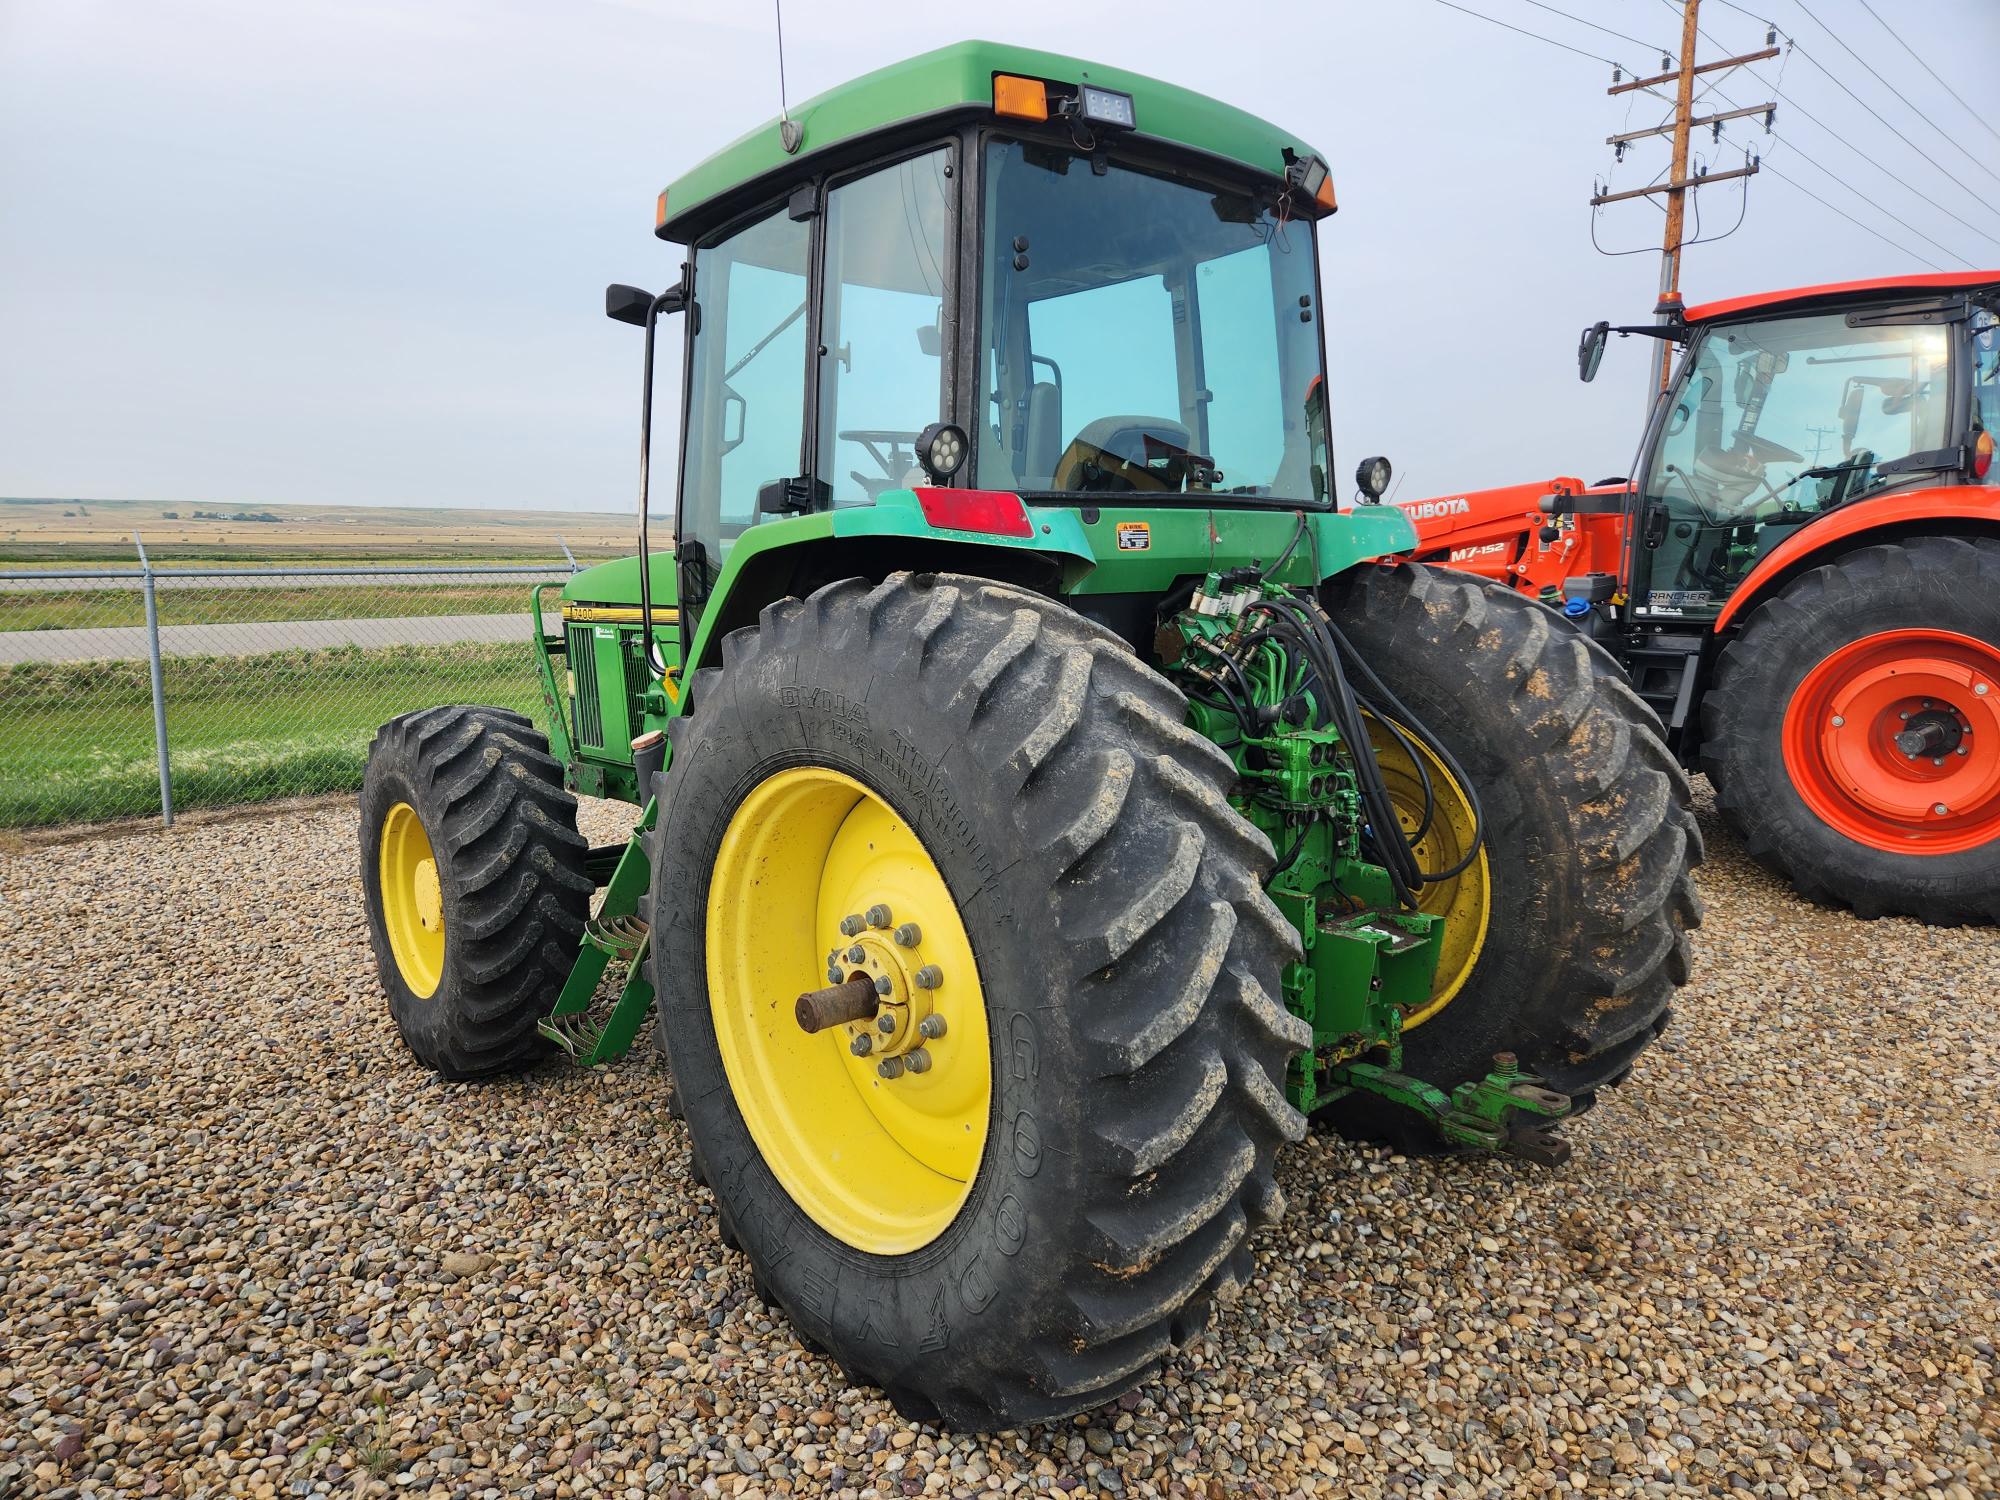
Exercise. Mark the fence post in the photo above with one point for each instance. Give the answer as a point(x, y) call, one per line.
point(159, 689)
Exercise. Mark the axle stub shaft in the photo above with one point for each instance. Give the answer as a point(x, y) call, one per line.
point(851, 1000)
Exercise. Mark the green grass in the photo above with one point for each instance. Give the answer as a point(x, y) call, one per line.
point(78, 742)
point(92, 609)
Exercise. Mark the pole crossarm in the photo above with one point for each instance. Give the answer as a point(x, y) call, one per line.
point(1668, 128)
point(1675, 187)
point(1677, 74)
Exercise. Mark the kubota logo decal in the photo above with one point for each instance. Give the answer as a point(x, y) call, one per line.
point(1425, 510)
point(1466, 554)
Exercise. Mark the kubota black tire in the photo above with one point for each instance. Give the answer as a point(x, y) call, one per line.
point(1589, 834)
point(510, 886)
point(1129, 961)
point(1928, 586)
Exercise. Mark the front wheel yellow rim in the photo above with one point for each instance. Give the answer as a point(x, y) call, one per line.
point(1465, 901)
point(412, 900)
point(876, 1131)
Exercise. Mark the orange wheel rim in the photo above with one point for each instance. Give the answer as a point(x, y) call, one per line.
point(1894, 741)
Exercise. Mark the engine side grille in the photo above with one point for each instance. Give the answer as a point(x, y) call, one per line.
point(583, 672)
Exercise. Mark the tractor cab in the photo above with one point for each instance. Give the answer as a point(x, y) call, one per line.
point(1047, 281)
point(1794, 406)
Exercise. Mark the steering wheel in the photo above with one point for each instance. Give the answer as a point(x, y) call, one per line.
point(874, 439)
point(1766, 451)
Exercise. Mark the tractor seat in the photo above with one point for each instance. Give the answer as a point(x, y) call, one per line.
point(1126, 453)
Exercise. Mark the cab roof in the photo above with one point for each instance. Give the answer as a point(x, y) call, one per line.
point(951, 81)
point(1730, 307)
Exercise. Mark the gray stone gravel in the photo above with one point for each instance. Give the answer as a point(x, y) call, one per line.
point(248, 1247)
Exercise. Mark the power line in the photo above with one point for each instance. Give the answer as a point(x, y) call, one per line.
point(1886, 171)
point(1841, 84)
point(1809, 161)
point(1982, 233)
point(1896, 91)
point(1851, 219)
point(1983, 125)
point(1523, 31)
point(1635, 41)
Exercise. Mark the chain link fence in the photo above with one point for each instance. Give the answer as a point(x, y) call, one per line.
point(142, 691)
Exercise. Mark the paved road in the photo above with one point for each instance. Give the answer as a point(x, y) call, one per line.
point(525, 577)
point(127, 643)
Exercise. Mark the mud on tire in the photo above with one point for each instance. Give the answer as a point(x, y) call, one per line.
point(1589, 832)
point(1129, 959)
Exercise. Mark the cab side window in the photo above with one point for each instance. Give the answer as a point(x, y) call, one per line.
point(881, 337)
point(1985, 346)
point(746, 413)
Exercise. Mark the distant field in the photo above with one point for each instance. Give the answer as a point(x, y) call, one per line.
point(83, 533)
point(80, 737)
point(92, 609)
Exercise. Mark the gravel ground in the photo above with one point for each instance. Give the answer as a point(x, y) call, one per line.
point(246, 1246)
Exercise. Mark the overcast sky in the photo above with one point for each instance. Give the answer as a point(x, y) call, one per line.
point(353, 251)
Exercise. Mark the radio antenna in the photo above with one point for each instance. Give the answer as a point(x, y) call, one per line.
point(790, 132)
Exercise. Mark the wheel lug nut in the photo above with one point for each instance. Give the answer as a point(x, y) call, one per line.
point(908, 935)
point(919, 1061)
point(878, 915)
point(1838, 721)
point(931, 1028)
point(929, 977)
point(1941, 810)
point(851, 925)
point(1979, 690)
point(862, 1045)
point(857, 954)
point(885, 1023)
point(882, 985)
point(890, 1067)
point(833, 973)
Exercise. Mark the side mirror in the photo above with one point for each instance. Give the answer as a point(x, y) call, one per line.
point(930, 341)
point(1590, 351)
point(629, 304)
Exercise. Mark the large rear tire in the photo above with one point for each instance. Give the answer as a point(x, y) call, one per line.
point(1581, 932)
point(1026, 1227)
point(1799, 731)
point(473, 873)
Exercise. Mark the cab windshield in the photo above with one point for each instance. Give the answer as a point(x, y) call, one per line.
point(1142, 336)
point(1774, 422)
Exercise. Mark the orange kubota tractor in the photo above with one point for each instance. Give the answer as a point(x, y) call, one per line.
point(1802, 577)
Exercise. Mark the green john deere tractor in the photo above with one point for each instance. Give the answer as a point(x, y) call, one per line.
point(1050, 799)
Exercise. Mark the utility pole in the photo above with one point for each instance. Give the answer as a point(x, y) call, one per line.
point(1679, 184)
point(1670, 255)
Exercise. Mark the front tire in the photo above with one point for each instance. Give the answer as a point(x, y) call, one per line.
point(1129, 1053)
point(1799, 731)
point(473, 874)
point(1589, 840)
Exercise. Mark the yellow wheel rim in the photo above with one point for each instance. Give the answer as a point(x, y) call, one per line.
point(412, 900)
point(882, 1163)
point(1466, 901)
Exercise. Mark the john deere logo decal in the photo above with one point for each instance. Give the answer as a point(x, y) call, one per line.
point(1134, 536)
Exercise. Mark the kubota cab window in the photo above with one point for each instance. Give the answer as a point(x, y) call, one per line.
point(1985, 333)
point(1143, 335)
point(1771, 423)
